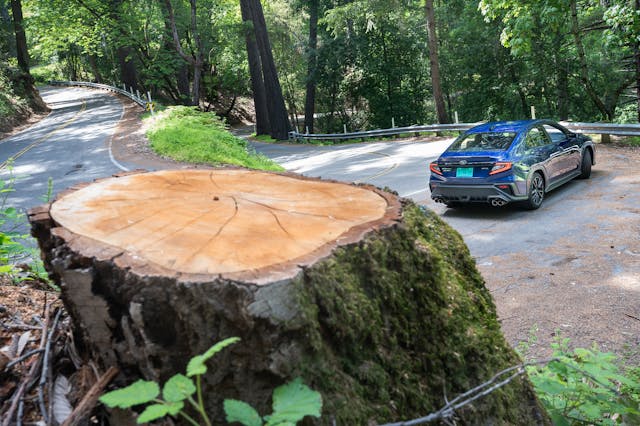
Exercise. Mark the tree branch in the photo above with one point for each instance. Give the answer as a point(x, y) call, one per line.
point(174, 32)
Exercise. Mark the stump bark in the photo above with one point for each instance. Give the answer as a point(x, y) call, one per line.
point(374, 301)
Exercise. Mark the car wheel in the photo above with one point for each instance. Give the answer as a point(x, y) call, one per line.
point(585, 165)
point(536, 192)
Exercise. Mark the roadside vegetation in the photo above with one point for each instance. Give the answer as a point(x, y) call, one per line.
point(12, 106)
point(582, 386)
point(19, 256)
point(190, 135)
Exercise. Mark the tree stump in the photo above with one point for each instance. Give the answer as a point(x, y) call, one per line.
point(372, 300)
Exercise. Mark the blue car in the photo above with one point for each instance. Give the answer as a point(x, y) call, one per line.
point(510, 161)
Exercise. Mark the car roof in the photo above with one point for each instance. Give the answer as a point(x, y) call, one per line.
point(507, 126)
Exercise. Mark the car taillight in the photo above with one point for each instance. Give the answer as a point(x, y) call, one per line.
point(500, 167)
point(435, 169)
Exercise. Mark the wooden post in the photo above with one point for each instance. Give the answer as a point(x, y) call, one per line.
point(455, 115)
point(533, 112)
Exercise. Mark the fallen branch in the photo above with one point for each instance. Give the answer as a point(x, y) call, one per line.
point(23, 357)
point(45, 367)
point(90, 399)
point(449, 409)
point(631, 316)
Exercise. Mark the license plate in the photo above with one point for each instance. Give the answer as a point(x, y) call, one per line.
point(464, 172)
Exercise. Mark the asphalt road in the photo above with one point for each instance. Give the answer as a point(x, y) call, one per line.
point(570, 268)
point(70, 145)
point(573, 265)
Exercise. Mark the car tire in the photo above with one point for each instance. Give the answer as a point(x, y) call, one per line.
point(585, 165)
point(536, 192)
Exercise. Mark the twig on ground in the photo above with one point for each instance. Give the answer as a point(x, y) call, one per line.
point(23, 357)
point(631, 316)
point(90, 399)
point(45, 367)
point(16, 398)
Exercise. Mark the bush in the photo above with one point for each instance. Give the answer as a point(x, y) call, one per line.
point(43, 74)
point(587, 386)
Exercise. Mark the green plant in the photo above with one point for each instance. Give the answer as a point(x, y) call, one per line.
point(291, 402)
point(587, 387)
point(16, 247)
point(187, 134)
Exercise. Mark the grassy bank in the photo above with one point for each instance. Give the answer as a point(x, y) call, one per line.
point(186, 134)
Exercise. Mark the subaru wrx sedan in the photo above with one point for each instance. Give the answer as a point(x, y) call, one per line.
point(510, 161)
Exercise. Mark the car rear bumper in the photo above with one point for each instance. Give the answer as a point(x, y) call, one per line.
point(446, 193)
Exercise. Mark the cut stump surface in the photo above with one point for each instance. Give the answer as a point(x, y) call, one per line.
point(219, 221)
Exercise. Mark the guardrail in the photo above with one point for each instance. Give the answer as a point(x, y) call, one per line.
point(593, 128)
point(135, 97)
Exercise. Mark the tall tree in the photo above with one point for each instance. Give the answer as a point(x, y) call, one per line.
point(22, 52)
point(196, 58)
point(312, 66)
point(434, 63)
point(278, 117)
point(263, 127)
point(276, 110)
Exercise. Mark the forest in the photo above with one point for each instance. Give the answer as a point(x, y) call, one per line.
point(320, 65)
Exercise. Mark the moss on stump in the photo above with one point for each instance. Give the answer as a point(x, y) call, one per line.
point(384, 325)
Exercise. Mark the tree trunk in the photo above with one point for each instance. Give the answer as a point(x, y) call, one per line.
point(8, 43)
point(22, 52)
point(636, 57)
point(197, 59)
point(255, 70)
point(128, 71)
point(97, 77)
point(312, 65)
point(434, 63)
point(367, 298)
point(582, 64)
point(278, 118)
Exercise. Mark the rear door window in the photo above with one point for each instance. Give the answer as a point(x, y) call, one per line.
point(536, 138)
point(493, 141)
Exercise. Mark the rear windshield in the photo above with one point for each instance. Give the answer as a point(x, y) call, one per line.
point(483, 142)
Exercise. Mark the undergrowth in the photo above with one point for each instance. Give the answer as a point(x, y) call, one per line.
point(586, 386)
point(187, 134)
point(19, 257)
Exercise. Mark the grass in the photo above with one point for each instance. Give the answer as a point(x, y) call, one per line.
point(263, 138)
point(187, 134)
point(630, 141)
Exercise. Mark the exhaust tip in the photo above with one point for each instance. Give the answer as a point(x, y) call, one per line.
point(498, 202)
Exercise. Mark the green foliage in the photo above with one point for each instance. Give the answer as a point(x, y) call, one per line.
point(11, 104)
point(140, 392)
point(16, 247)
point(291, 402)
point(196, 365)
point(587, 387)
point(43, 74)
point(186, 134)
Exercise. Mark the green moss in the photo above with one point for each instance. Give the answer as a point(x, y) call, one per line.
point(401, 319)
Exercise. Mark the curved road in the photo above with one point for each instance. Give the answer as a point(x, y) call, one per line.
point(70, 145)
point(573, 265)
point(570, 268)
